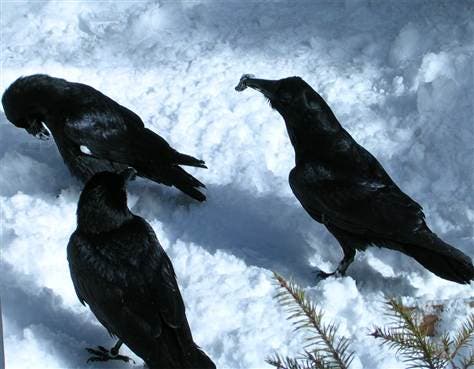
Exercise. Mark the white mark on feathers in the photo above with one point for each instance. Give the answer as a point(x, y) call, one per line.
point(85, 150)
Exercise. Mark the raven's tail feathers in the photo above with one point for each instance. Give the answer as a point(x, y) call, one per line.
point(201, 361)
point(185, 181)
point(177, 177)
point(183, 159)
point(442, 259)
point(188, 184)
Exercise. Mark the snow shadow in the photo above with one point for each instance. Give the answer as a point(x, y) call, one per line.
point(262, 230)
point(369, 280)
point(26, 305)
point(23, 157)
point(267, 231)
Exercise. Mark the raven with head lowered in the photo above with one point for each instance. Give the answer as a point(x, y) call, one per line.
point(94, 133)
point(341, 185)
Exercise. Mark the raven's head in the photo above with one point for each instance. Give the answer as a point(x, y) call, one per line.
point(294, 99)
point(103, 202)
point(283, 94)
point(22, 104)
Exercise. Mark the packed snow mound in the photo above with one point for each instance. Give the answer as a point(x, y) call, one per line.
point(397, 75)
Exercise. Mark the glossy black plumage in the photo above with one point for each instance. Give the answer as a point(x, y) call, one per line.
point(341, 185)
point(120, 270)
point(94, 133)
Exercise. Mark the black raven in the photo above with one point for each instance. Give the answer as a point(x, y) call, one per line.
point(341, 185)
point(120, 270)
point(94, 133)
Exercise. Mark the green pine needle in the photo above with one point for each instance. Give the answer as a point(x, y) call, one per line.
point(323, 349)
point(464, 337)
point(406, 336)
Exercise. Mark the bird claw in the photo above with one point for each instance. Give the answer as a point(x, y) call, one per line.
point(102, 354)
point(101, 350)
point(320, 275)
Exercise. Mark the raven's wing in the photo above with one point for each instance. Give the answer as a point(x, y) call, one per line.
point(375, 207)
point(90, 280)
point(103, 129)
point(75, 248)
point(157, 282)
point(128, 292)
point(111, 131)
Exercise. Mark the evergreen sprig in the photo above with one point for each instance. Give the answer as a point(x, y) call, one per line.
point(285, 363)
point(324, 349)
point(409, 339)
point(406, 336)
point(463, 338)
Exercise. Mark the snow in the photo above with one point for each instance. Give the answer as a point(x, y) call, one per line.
point(399, 77)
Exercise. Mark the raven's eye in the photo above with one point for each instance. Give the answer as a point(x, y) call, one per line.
point(285, 97)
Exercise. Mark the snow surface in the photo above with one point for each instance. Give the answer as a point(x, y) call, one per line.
point(399, 76)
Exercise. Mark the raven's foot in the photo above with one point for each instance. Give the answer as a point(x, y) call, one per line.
point(320, 275)
point(349, 254)
point(102, 354)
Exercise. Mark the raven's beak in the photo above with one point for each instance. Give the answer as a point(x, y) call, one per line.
point(128, 174)
point(265, 86)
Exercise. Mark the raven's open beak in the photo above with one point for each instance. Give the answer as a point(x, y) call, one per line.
point(128, 174)
point(265, 86)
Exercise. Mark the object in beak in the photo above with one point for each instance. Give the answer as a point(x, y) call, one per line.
point(39, 130)
point(265, 86)
point(242, 86)
point(128, 174)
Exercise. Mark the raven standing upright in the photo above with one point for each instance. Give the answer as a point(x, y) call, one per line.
point(94, 133)
point(120, 270)
point(341, 185)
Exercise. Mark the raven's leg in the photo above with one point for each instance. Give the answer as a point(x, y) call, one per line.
point(349, 245)
point(115, 350)
point(349, 254)
point(102, 354)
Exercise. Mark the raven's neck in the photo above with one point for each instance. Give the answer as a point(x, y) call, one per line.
point(310, 142)
point(95, 220)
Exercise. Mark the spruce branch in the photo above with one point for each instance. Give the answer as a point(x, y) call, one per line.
point(447, 343)
point(285, 363)
point(464, 336)
point(405, 336)
point(324, 348)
